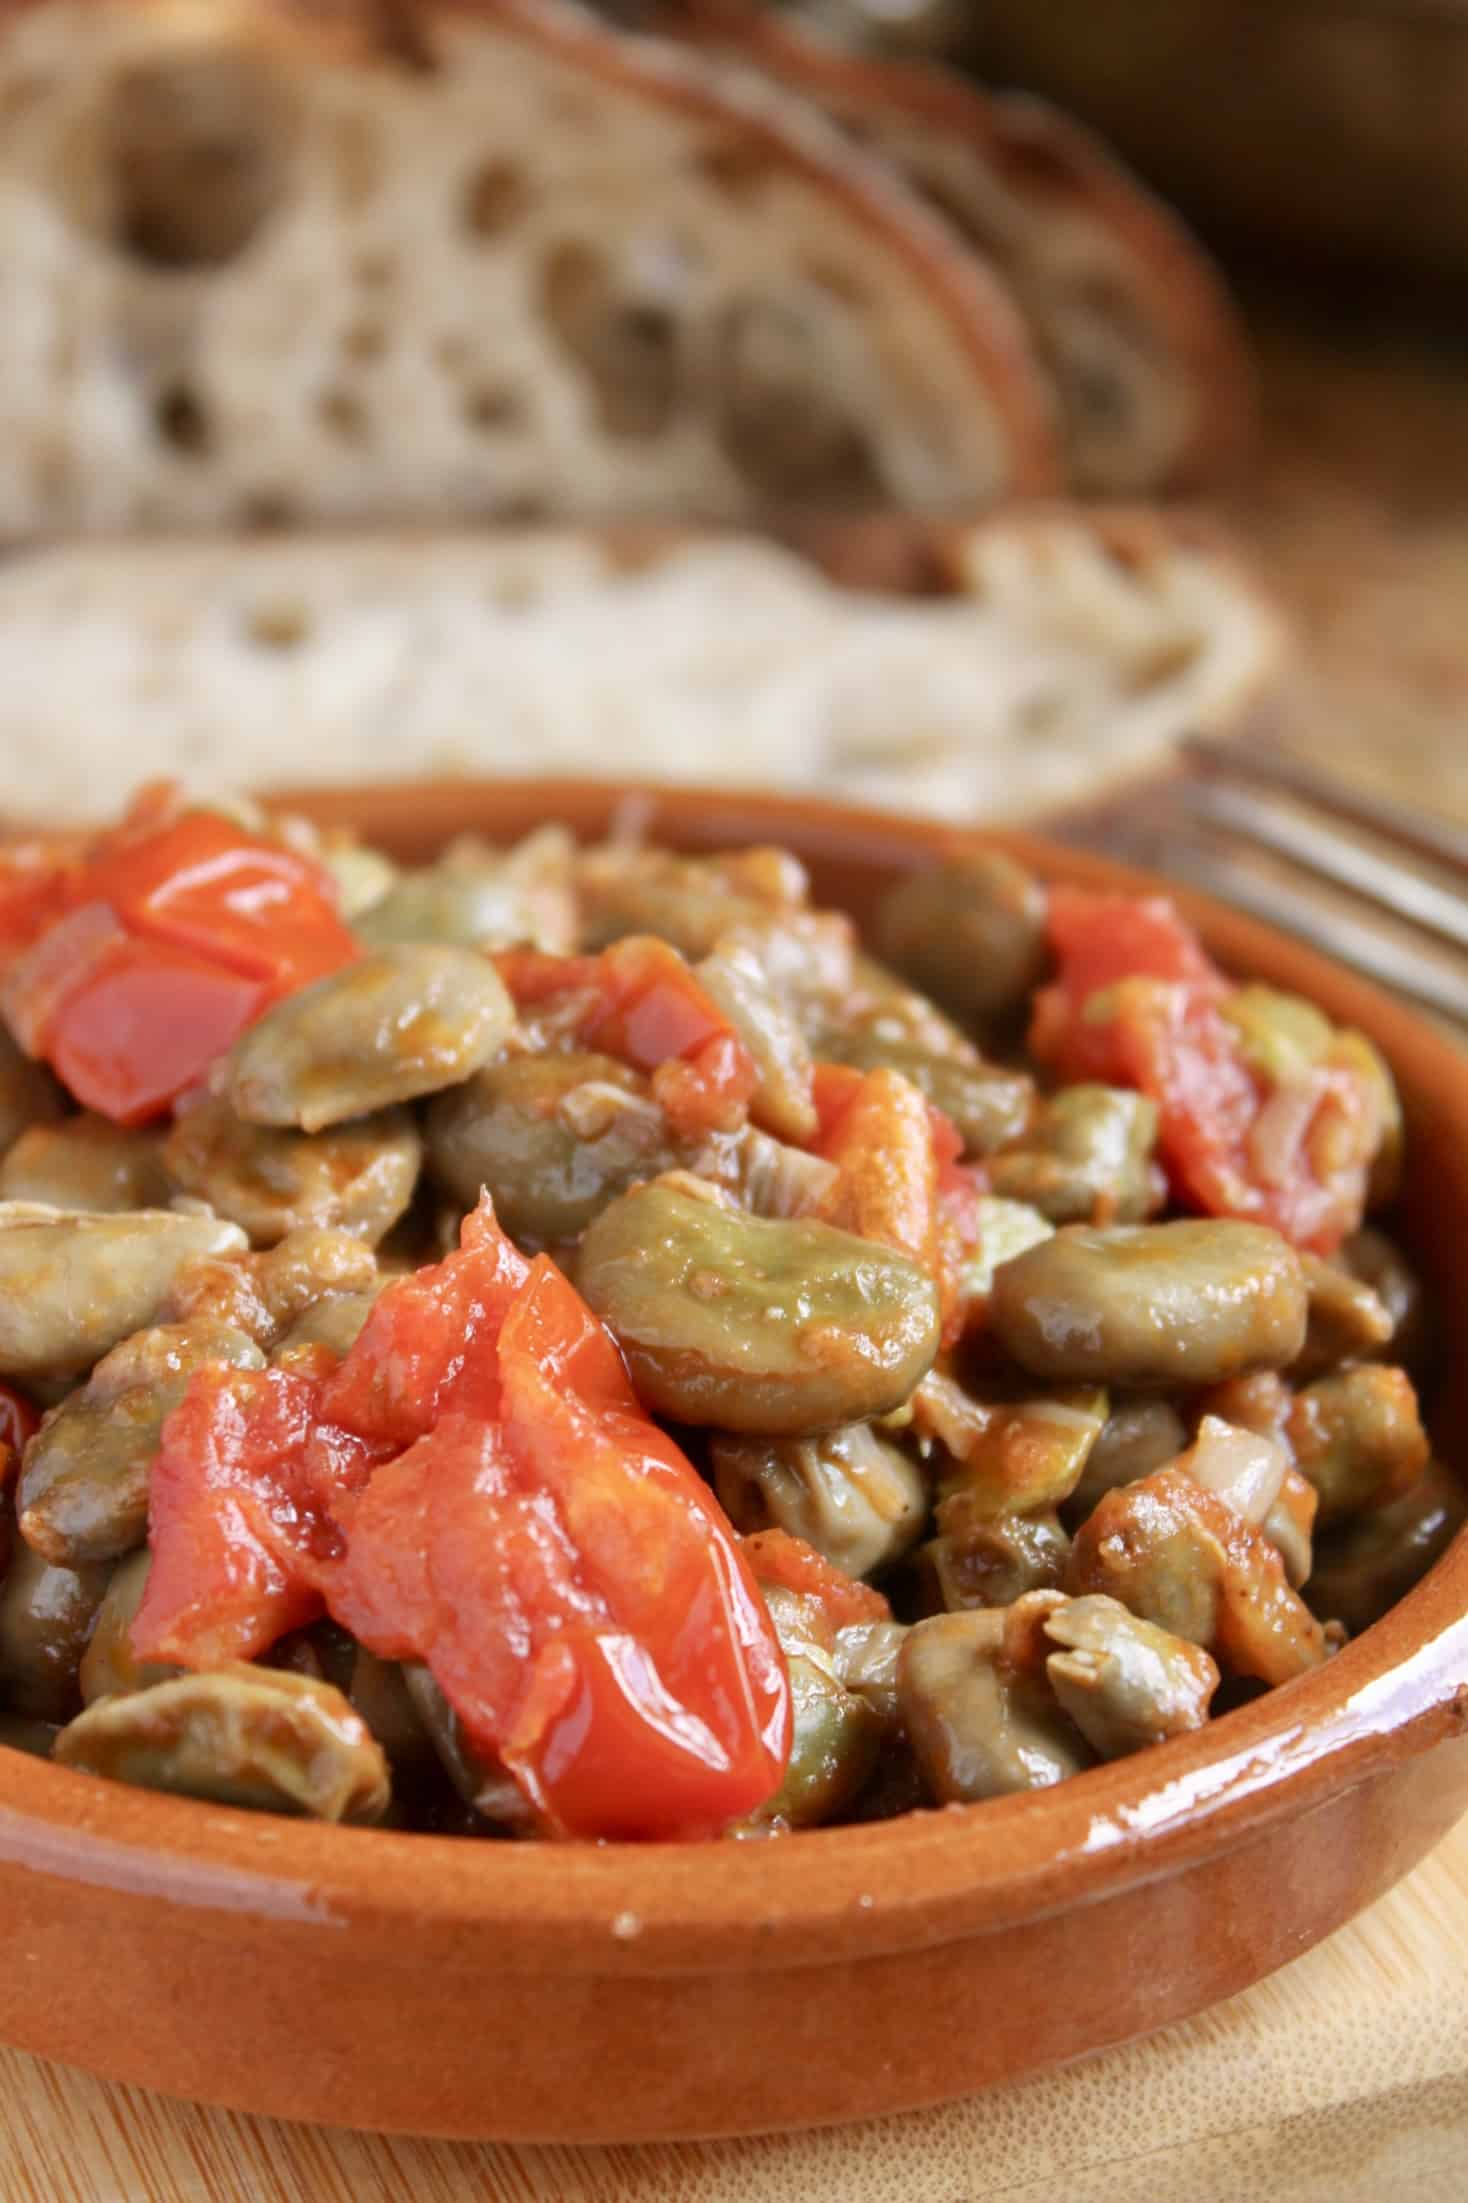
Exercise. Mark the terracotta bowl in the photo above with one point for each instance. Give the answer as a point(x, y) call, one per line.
point(533, 1992)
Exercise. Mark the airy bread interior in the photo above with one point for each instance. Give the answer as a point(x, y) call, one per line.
point(1053, 663)
point(251, 274)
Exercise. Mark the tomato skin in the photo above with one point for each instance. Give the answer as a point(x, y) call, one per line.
point(19, 1420)
point(900, 1180)
point(428, 1348)
point(787, 1563)
point(242, 1504)
point(138, 957)
point(502, 1508)
point(143, 1024)
point(251, 905)
point(1138, 1003)
point(646, 1007)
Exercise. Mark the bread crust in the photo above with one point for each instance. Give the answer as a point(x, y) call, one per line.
point(1050, 160)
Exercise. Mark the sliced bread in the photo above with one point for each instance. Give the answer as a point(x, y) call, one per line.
point(368, 260)
point(983, 672)
point(1143, 348)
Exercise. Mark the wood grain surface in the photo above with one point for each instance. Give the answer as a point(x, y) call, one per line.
point(1345, 2078)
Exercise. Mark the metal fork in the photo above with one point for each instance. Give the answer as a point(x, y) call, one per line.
point(1388, 890)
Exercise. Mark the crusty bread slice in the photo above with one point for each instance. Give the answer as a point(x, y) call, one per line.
point(1144, 350)
point(980, 672)
point(263, 261)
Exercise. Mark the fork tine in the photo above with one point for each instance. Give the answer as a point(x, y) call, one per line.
point(1376, 955)
point(1291, 834)
point(1403, 823)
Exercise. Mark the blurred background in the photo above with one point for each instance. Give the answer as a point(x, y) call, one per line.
point(1320, 148)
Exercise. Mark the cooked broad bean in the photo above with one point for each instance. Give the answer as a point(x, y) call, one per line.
point(864, 1655)
point(87, 1163)
point(1179, 1556)
point(1007, 1455)
point(271, 1180)
point(1137, 1437)
point(335, 1322)
point(1088, 1158)
point(1371, 1560)
point(73, 1285)
point(688, 901)
point(1290, 1526)
point(83, 1492)
point(980, 1724)
point(379, 1692)
point(782, 1101)
point(267, 1294)
point(28, 1093)
point(978, 1559)
point(1006, 1229)
point(837, 1729)
point(1379, 1263)
point(1347, 1321)
point(486, 1788)
point(851, 1494)
point(765, 1176)
point(46, 1616)
point(971, 933)
point(548, 1173)
point(477, 897)
point(238, 1735)
point(398, 1023)
point(109, 1665)
point(1124, 1682)
point(749, 1324)
point(1152, 1304)
point(1358, 1437)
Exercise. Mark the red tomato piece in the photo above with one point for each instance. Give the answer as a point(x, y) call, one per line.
point(576, 1591)
point(19, 1420)
point(645, 1006)
point(33, 890)
point(239, 900)
point(54, 965)
point(243, 1502)
point(142, 1024)
point(787, 1563)
point(1137, 1003)
point(901, 1182)
point(428, 1348)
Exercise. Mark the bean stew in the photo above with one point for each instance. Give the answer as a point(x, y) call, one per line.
point(575, 1342)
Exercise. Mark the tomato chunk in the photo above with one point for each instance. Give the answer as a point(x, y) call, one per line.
point(1137, 1002)
point(645, 1006)
point(143, 1024)
point(243, 1501)
point(476, 1485)
point(787, 1563)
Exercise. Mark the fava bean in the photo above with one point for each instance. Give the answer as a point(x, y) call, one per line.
point(271, 1180)
point(1152, 1304)
point(979, 1725)
point(238, 1735)
point(83, 1493)
point(109, 1665)
point(398, 1023)
point(73, 1285)
point(1371, 1560)
point(979, 1559)
point(548, 1172)
point(46, 1616)
point(1358, 1437)
point(87, 1163)
point(971, 933)
point(749, 1324)
point(1124, 1682)
point(1086, 1159)
point(1137, 1437)
point(854, 1496)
